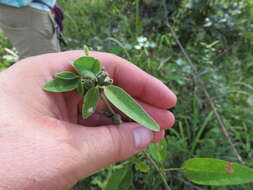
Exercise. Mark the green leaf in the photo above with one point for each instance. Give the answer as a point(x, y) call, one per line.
point(159, 151)
point(80, 89)
point(127, 180)
point(124, 102)
point(87, 66)
point(90, 102)
point(89, 74)
point(67, 75)
point(60, 85)
point(120, 178)
point(209, 171)
point(141, 166)
point(86, 50)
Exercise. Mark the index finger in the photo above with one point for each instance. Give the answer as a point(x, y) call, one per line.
point(137, 82)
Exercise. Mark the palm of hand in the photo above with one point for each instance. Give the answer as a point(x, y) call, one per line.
point(45, 131)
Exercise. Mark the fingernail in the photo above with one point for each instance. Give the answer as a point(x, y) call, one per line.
point(142, 137)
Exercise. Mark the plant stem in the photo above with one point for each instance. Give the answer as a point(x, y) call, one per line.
point(122, 46)
point(172, 169)
point(137, 18)
point(116, 117)
point(161, 172)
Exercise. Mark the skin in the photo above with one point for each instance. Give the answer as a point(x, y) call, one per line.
point(44, 142)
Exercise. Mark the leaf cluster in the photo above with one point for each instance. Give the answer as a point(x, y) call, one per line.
point(92, 82)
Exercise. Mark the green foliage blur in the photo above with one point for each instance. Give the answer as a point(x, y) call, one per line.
point(6, 56)
point(218, 36)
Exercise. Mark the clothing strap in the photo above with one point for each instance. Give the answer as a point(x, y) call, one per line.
point(58, 17)
point(43, 3)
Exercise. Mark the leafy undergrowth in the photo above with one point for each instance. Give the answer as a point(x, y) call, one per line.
point(218, 36)
point(7, 55)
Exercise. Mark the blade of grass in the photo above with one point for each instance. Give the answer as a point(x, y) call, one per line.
point(200, 132)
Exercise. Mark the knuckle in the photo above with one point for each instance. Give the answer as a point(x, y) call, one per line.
point(118, 140)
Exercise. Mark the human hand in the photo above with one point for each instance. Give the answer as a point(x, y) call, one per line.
point(45, 143)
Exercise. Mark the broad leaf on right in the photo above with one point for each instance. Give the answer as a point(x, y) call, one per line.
point(125, 103)
point(209, 171)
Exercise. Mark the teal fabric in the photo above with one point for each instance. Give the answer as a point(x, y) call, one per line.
point(22, 3)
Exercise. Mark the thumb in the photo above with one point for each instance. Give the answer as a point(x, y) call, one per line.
point(104, 145)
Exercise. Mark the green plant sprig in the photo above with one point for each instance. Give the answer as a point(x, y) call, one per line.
point(93, 82)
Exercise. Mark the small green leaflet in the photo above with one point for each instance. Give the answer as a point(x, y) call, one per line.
point(80, 89)
point(127, 180)
point(120, 99)
point(159, 151)
point(67, 75)
point(60, 85)
point(120, 179)
point(87, 66)
point(90, 102)
point(209, 171)
point(141, 166)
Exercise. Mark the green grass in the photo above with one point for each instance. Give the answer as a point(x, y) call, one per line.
point(4, 43)
point(222, 54)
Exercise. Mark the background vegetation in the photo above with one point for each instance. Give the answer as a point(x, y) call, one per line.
point(217, 36)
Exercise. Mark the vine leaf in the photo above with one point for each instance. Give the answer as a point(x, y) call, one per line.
point(87, 66)
point(67, 75)
point(60, 85)
point(209, 171)
point(124, 102)
point(90, 102)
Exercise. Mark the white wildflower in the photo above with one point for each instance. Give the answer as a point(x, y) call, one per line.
point(142, 39)
point(137, 47)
